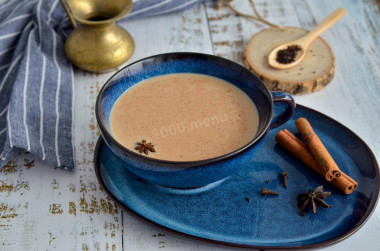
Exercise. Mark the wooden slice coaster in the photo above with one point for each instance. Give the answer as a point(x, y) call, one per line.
point(313, 73)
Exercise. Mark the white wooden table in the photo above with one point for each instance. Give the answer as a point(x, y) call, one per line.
point(46, 208)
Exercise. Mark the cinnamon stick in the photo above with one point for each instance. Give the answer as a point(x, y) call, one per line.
point(319, 152)
point(345, 184)
point(356, 184)
point(296, 147)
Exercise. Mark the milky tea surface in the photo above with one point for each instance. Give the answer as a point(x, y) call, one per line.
point(186, 117)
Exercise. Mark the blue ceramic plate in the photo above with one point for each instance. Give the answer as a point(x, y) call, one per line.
point(221, 213)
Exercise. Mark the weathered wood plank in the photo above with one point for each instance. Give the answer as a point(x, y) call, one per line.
point(226, 32)
point(43, 208)
point(353, 96)
point(186, 31)
point(47, 208)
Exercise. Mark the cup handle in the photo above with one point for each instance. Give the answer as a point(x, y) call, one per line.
point(284, 100)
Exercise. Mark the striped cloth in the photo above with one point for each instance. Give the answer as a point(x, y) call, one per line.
point(36, 79)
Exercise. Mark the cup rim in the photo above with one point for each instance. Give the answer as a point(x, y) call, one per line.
point(107, 135)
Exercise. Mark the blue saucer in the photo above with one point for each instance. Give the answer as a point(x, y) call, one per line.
point(221, 213)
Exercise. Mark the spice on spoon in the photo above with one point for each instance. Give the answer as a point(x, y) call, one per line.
point(288, 55)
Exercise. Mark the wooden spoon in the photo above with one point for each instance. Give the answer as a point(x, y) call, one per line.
point(304, 42)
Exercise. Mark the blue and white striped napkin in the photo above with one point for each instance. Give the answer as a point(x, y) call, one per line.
point(36, 79)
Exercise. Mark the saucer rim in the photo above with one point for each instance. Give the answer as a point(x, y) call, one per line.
point(362, 221)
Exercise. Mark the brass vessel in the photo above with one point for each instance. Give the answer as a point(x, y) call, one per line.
point(98, 44)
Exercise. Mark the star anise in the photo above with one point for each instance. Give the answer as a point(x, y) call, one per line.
point(143, 147)
point(313, 199)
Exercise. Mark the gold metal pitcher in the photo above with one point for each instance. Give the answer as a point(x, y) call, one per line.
point(98, 44)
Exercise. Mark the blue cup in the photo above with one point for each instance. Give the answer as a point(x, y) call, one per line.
point(189, 174)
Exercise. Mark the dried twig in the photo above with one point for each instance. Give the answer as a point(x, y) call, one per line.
point(258, 18)
point(219, 4)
